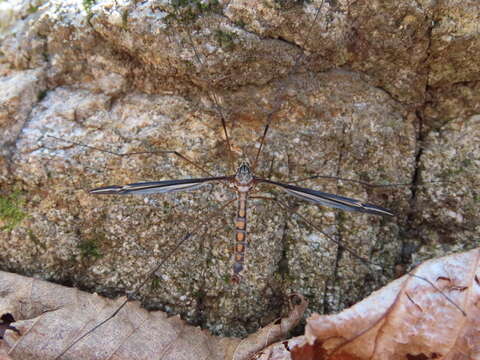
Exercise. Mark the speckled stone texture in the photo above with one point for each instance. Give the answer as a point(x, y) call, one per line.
point(382, 91)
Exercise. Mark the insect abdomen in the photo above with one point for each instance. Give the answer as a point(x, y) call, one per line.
point(240, 236)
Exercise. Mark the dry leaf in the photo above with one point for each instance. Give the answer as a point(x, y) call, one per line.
point(408, 319)
point(270, 333)
point(4, 351)
point(56, 315)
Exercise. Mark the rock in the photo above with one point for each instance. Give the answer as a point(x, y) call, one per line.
point(373, 98)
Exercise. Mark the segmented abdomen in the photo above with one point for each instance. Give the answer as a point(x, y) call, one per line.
point(240, 236)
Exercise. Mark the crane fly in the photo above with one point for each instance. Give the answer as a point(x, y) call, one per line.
point(243, 182)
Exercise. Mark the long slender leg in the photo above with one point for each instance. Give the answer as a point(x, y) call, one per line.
point(165, 152)
point(281, 204)
point(364, 261)
point(157, 266)
point(225, 132)
point(364, 183)
point(213, 98)
point(282, 88)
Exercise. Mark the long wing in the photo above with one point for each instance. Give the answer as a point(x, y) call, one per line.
point(155, 187)
point(331, 200)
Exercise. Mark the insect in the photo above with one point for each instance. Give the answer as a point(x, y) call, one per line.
point(327, 121)
point(244, 182)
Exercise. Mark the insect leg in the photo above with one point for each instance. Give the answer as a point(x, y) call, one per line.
point(364, 183)
point(166, 152)
point(157, 266)
point(280, 89)
point(213, 98)
point(369, 264)
point(281, 204)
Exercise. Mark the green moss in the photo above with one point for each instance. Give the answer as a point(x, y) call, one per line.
point(41, 95)
point(87, 5)
point(225, 39)
point(33, 238)
point(155, 283)
point(189, 10)
point(11, 213)
point(125, 20)
point(451, 172)
point(287, 4)
point(189, 65)
point(180, 3)
point(90, 248)
point(240, 23)
point(196, 4)
point(467, 162)
point(32, 9)
point(198, 294)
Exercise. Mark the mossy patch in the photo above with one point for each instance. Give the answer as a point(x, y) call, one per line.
point(87, 5)
point(32, 9)
point(125, 20)
point(90, 248)
point(240, 23)
point(225, 39)
point(155, 283)
point(41, 95)
point(35, 239)
point(201, 5)
point(11, 212)
point(287, 4)
point(189, 10)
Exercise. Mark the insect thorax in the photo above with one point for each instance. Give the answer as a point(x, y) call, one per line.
point(244, 176)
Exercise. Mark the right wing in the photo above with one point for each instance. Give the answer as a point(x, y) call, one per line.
point(330, 200)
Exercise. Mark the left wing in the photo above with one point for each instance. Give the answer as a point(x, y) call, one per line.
point(155, 187)
point(331, 200)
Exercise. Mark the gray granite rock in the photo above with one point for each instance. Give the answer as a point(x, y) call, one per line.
point(374, 91)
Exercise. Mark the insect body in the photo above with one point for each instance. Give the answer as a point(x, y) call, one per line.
point(243, 182)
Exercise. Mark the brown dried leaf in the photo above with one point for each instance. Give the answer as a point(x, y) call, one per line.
point(4, 351)
point(271, 333)
point(408, 319)
point(56, 315)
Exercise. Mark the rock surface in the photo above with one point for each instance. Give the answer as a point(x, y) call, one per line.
point(374, 91)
